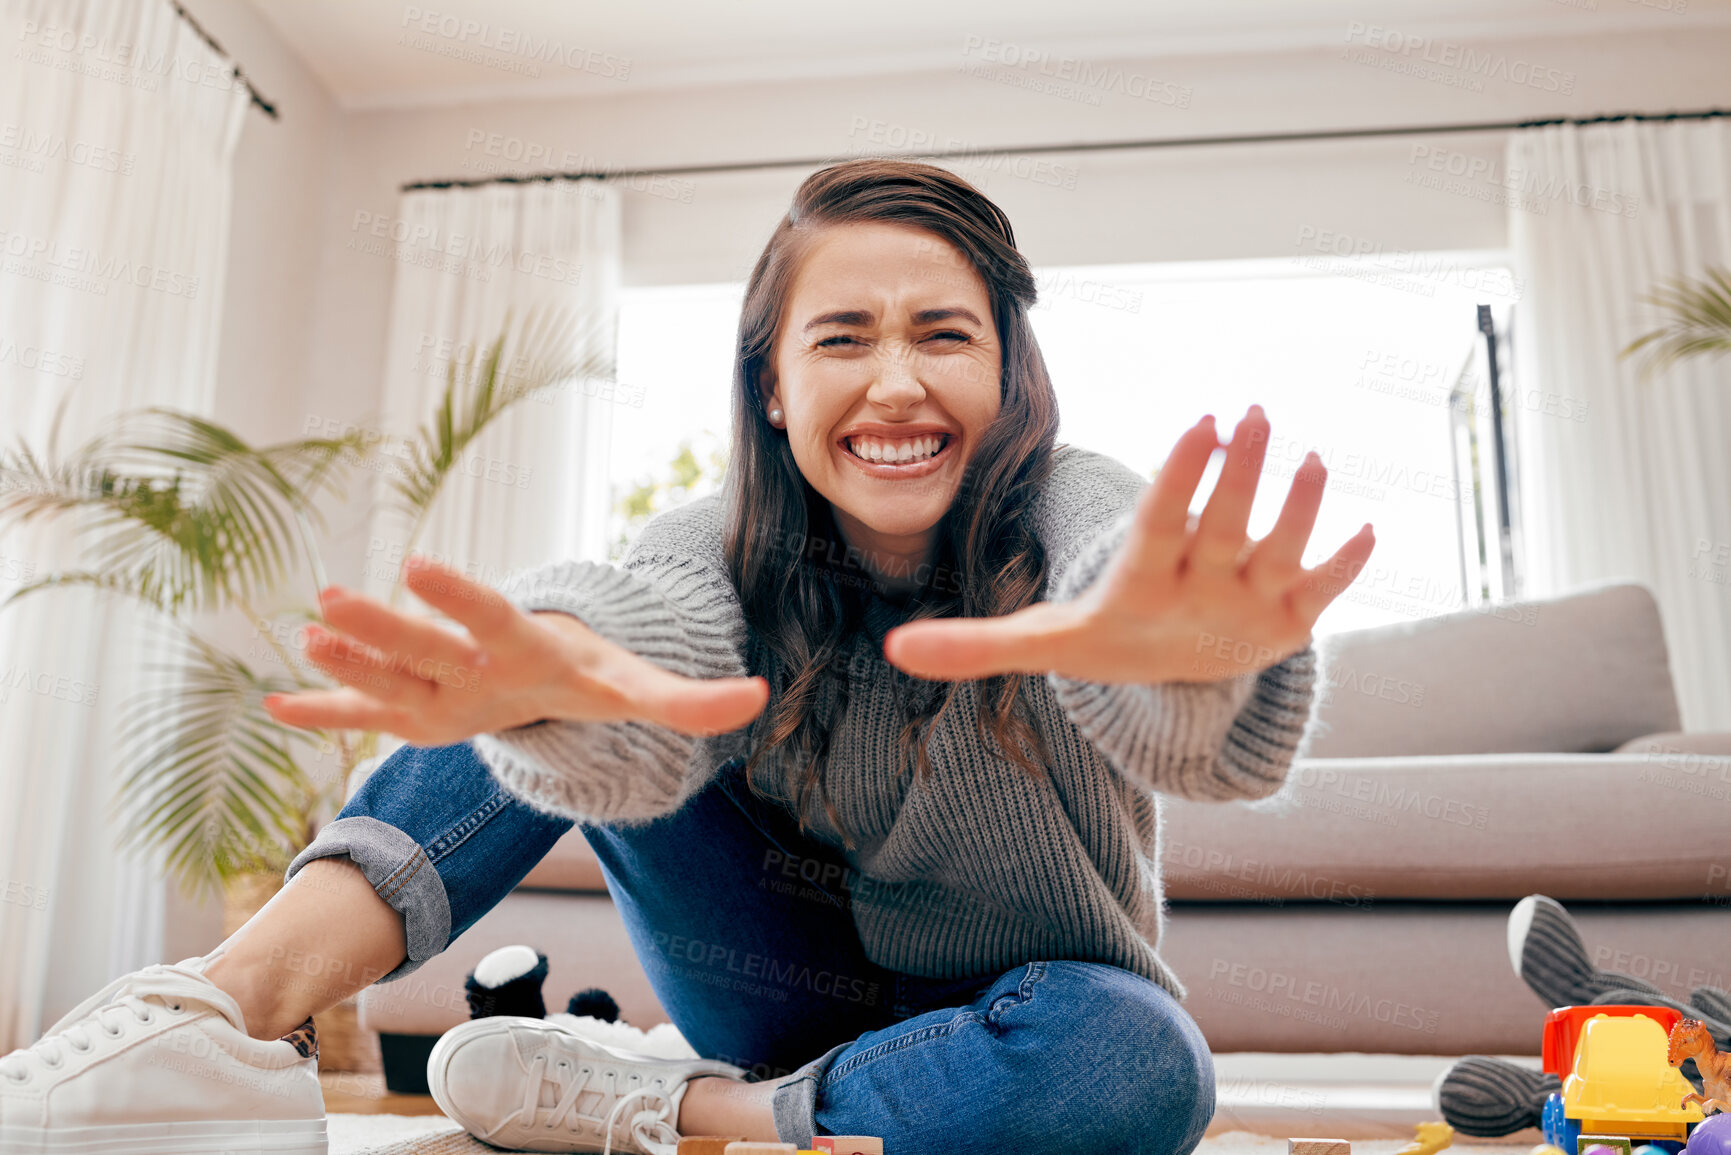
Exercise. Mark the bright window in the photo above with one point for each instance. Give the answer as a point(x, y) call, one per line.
point(1353, 362)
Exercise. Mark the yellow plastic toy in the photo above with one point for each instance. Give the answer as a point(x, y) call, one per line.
point(1623, 1084)
point(1432, 1137)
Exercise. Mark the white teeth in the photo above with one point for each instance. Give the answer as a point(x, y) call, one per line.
point(896, 453)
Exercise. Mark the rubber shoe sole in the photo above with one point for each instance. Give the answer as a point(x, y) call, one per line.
point(205, 1137)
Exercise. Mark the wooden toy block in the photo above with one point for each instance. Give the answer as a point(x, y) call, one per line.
point(1318, 1147)
point(707, 1144)
point(849, 1144)
point(743, 1147)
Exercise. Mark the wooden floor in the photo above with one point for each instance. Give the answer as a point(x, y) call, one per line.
point(364, 1094)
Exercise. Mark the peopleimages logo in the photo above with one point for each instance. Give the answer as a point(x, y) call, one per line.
point(423, 239)
point(1535, 191)
point(27, 142)
point(530, 47)
point(1072, 77)
point(40, 359)
point(1462, 61)
point(87, 270)
point(99, 57)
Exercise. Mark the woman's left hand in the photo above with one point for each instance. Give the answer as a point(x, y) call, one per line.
point(1184, 599)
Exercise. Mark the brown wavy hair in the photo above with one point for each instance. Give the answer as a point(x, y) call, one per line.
point(802, 598)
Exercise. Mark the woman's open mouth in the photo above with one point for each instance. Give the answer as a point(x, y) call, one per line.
point(899, 456)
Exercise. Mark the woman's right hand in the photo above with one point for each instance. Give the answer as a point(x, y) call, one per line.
point(434, 686)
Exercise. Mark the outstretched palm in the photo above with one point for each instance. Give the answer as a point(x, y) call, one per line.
point(1184, 600)
point(431, 686)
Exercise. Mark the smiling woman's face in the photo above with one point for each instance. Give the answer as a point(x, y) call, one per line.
point(886, 369)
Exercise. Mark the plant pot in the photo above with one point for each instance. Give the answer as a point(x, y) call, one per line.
point(343, 1045)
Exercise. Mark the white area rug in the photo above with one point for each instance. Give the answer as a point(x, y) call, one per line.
point(434, 1135)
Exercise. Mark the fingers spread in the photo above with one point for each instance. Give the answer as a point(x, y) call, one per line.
point(400, 635)
point(1221, 529)
point(331, 710)
point(1327, 581)
point(495, 622)
point(1162, 518)
point(705, 707)
point(356, 664)
point(962, 649)
point(1276, 561)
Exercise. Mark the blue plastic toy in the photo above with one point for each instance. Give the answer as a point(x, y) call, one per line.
point(1560, 1130)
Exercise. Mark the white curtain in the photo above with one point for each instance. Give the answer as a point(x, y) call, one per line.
point(117, 128)
point(533, 488)
point(1639, 486)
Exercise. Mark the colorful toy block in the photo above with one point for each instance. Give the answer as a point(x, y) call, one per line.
point(849, 1144)
point(1318, 1147)
point(1604, 1145)
point(707, 1144)
point(744, 1147)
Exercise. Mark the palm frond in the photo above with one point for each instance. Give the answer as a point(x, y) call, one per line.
point(546, 351)
point(1698, 321)
point(181, 512)
point(210, 779)
point(87, 579)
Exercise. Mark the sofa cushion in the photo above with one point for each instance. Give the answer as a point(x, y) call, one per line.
point(570, 865)
point(1356, 831)
point(1409, 978)
point(1585, 672)
point(1710, 747)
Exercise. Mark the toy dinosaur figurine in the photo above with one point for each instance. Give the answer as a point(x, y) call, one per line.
point(1432, 1137)
point(1689, 1039)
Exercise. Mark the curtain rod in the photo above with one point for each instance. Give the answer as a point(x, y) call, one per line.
point(1100, 146)
point(264, 105)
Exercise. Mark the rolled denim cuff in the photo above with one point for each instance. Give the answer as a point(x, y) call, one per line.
point(794, 1103)
point(401, 874)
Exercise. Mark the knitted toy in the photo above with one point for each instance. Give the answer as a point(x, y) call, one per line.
point(1489, 1098)
point(509, 980)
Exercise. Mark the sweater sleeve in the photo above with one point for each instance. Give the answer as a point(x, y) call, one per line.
point(671, 602)
point(1201, 740)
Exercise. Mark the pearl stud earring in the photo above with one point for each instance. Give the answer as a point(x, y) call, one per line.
point(775, 417)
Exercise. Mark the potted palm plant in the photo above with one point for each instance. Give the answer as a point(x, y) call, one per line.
point(1697, 321)
point(183, 517)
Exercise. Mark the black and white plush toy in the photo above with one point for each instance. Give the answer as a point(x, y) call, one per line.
point(509, 982)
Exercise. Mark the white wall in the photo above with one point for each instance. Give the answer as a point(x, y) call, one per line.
point(1180, 204)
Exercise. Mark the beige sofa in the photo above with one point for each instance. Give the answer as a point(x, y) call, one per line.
point(1456, 764)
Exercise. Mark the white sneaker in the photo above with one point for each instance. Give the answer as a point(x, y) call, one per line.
point(533, 1085)
point(158, 1062)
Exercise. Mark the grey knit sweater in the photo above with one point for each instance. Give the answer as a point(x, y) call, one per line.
point(980, 866)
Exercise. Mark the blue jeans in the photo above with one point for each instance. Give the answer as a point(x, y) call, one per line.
point(743, 927)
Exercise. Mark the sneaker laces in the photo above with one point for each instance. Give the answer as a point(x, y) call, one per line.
point(648, 1127)
point(111, 1010)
